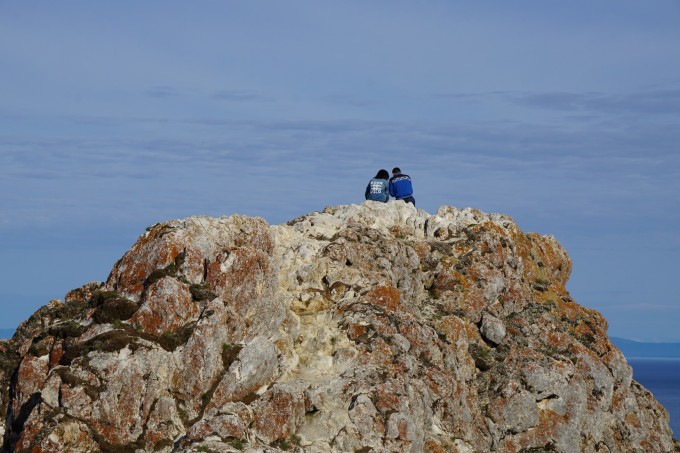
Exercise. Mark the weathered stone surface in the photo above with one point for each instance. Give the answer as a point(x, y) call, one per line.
point(65, 435)
point(167, 308)
point(492, 328)
point(362, 328)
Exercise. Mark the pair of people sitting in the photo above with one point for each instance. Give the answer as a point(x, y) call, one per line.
point(398, 186)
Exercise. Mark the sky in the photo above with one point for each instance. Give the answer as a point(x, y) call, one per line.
point(563, 115)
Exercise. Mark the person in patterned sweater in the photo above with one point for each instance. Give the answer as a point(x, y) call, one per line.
point(378, 188)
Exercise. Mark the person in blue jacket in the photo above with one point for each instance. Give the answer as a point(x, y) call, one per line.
point(378, 188)
point(401, 187)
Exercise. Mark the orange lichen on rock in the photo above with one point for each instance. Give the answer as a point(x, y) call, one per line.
point(432, 446)
point(385, 296)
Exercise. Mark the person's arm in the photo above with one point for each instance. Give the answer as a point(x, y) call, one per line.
point(368, 188)
point(391, 186)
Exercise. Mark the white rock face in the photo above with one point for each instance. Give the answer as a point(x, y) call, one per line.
point(492, 328)
point(361, 328)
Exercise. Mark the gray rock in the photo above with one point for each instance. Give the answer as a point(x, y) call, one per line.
point(492, 328)
point(363, 327)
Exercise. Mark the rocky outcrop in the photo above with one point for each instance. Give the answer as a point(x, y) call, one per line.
point(362, 328)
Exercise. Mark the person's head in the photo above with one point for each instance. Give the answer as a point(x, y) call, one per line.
point(396, 171)
point(382, 174)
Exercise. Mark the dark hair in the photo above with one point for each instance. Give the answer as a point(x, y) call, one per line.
point(382, 174)
point(396, 170)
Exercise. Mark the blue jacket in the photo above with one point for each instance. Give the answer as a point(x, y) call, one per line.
point(400, 186)
point(377, 190)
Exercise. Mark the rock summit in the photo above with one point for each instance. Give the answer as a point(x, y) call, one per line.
point(361, 328)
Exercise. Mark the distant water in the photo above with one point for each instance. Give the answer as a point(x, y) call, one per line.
point(6, 334)
point(662, 378)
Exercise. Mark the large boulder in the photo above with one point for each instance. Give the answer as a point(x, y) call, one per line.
point(372, 328)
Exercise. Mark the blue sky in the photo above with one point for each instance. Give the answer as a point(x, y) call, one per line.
point(563, 115)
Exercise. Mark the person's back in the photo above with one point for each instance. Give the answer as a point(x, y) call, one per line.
point(401, 187)
point(378, 187)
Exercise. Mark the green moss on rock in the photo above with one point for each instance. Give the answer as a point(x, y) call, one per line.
point(111, 307)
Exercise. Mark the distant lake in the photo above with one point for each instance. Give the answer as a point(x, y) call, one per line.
point(662, 378)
